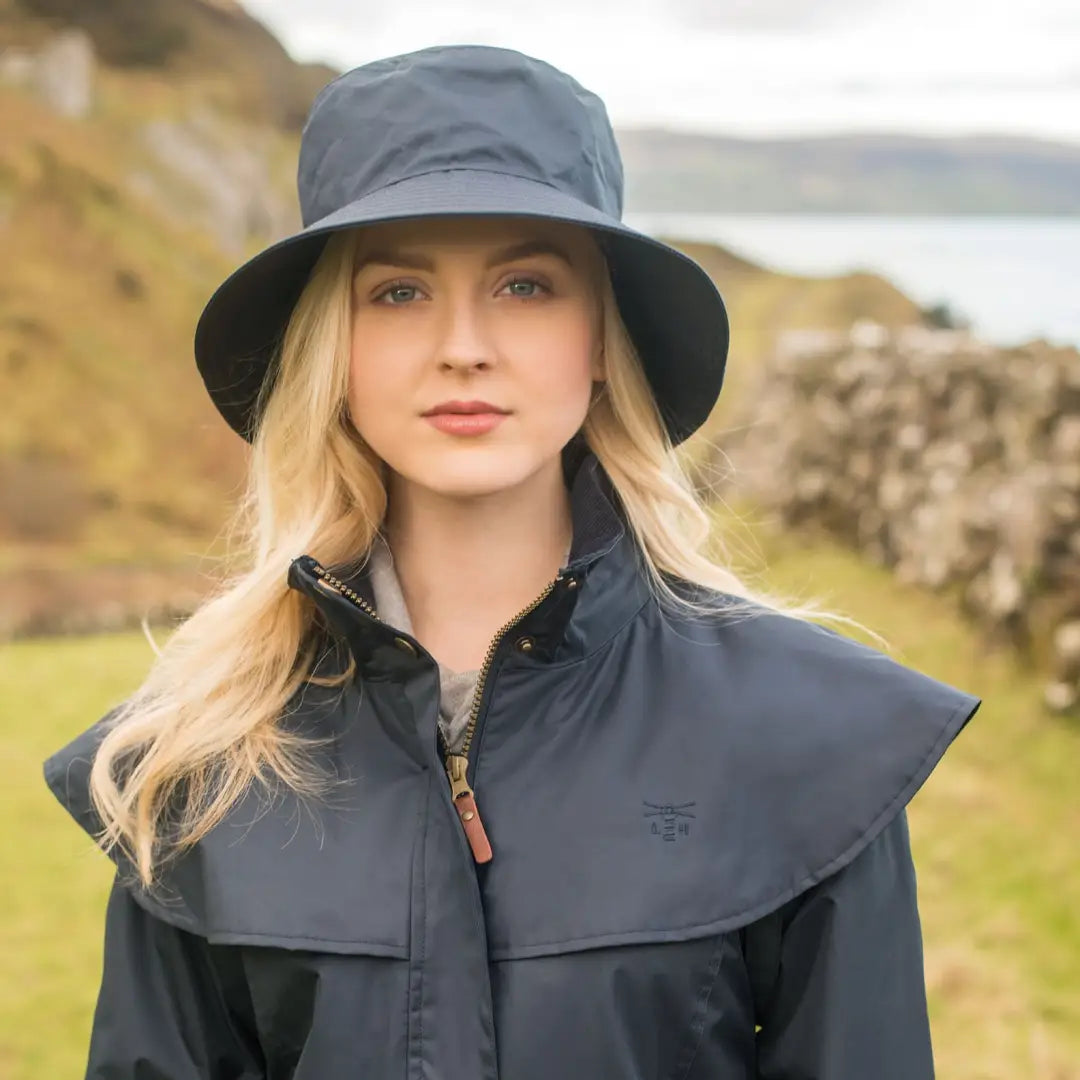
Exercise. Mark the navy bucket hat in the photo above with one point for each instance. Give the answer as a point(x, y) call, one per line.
point(467, 130)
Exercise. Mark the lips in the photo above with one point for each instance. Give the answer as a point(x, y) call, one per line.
point(465, 408)
point(479, 420)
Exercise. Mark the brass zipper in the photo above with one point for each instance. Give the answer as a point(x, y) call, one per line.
point(489, 656)
point(325, 577)
point(456, 763)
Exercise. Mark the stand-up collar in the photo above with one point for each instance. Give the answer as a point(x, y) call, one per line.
point(599, 590)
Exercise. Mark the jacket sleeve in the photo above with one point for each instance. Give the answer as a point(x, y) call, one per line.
point(161, 1010)
point(839, 983)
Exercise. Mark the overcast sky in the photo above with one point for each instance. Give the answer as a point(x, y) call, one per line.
point(751, 67)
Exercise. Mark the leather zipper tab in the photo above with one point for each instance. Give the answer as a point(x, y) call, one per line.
point(474, 828)
point(468, 812)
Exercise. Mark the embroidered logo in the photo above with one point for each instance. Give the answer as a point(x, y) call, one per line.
point(668, 819)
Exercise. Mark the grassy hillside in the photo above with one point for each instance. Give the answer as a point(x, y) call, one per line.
point(110, 456)
point(115, 471)
point(95, 319)
point(994, 832)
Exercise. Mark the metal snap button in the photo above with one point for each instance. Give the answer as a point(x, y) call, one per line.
point(525, 644)
point(405, 645)
point(572, 582)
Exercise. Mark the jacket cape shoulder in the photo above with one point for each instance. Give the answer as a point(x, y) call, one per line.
point(727, 765)
point(795, 744)
point(828, 739)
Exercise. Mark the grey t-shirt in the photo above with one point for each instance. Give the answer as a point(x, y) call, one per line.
point(456, 687)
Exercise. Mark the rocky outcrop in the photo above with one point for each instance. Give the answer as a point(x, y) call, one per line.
point(61, 73)
point(202, 166)
point(954, 462)
point(218, 175)
point(252, 74)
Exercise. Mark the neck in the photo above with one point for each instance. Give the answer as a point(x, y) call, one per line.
point(469, 565)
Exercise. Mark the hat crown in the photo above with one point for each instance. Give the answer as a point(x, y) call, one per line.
point(456, 107)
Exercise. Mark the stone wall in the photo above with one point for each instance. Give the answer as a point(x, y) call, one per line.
point(953, 462)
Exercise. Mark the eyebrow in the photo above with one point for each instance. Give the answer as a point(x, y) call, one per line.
point(393, 257)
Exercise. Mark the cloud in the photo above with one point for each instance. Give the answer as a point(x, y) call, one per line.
point(752, 66)
point(770, 16)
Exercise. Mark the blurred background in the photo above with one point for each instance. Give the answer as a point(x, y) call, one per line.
point(887, 193)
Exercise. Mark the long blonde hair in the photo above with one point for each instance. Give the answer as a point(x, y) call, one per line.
point(205, 724)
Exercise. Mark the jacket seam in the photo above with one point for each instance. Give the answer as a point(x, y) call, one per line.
point(225, 937)
point(254, 937)
point(680, 1071)
point(418, 968)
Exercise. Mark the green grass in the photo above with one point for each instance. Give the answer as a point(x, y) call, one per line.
point(995, 831)
point(55, 880)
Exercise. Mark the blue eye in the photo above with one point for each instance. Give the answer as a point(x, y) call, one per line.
point(536, 286)
point(397, 287)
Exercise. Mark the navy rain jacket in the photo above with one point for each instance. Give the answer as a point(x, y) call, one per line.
point(701, 861)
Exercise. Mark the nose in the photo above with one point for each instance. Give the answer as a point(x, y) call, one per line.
point(465, 340)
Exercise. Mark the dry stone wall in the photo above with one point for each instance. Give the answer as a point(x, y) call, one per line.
point(954, 462)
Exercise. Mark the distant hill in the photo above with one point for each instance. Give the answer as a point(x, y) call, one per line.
point(888, 174)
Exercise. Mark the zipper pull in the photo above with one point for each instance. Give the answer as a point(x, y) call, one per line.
point(465, 804)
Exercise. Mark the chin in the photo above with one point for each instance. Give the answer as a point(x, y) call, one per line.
point(472, 471)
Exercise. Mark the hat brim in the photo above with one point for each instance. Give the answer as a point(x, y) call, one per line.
point(671, 307)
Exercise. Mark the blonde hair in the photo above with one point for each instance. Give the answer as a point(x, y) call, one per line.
point(205, 725)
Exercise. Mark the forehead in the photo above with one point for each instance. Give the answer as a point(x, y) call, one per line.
point(469, 233)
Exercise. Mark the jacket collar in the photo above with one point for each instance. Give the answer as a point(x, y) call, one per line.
point(598, 592)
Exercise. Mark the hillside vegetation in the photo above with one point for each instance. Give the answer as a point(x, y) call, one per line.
point(108, 451)
point(115, 471)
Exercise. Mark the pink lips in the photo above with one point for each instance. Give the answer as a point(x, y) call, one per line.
point(465, 417)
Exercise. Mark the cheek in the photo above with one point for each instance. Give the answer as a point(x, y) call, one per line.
point(378, 378)
point(557, 362)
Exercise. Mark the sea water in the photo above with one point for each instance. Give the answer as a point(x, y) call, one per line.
point(1014, 278)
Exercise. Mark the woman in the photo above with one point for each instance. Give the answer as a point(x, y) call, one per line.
point(481, 766)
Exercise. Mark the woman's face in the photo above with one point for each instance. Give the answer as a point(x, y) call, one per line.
point(501, 311)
